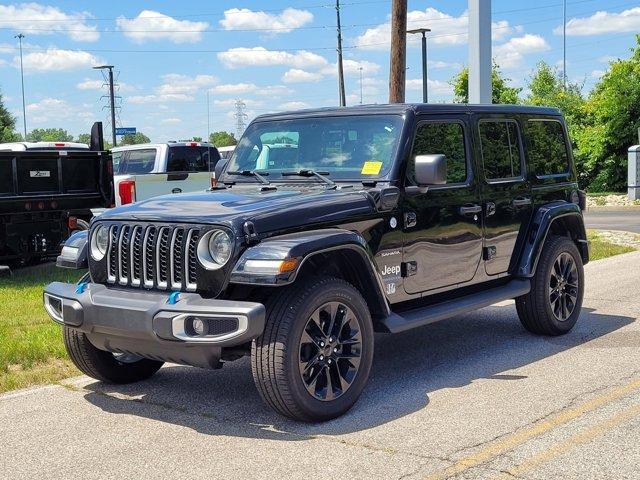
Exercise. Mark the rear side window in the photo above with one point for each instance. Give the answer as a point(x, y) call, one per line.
point(501, 156)
point(446, 138)
point(547, 147)
point(192, 159)
point(135, 161)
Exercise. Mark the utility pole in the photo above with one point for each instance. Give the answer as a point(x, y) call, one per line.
point(360, 68)
point(240, 118)
point(111, 100)
point(343, 99)
point(397, 64)
point(208, 118)
point(423, 31)
point(20, 36)
point(564, 43)
point(480, 88)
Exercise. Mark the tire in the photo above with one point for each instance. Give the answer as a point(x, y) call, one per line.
point(536, 310)
point(104, 366)
point(290, 339)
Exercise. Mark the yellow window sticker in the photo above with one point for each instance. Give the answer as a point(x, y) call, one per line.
point(371, 168)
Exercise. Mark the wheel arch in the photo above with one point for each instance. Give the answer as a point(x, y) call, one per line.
point(562, 219)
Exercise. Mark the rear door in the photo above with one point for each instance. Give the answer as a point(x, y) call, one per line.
point(505, 191)
point(442, 226)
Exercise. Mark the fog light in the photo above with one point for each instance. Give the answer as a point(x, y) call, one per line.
point(199, 326)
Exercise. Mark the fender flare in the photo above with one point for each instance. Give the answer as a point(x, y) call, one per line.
point(75, 255)
point(543, 219)
point(303, 246)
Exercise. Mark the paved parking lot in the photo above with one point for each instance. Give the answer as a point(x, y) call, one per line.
point(474, 397)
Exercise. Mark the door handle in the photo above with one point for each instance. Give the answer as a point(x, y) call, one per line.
point(470, 209)
point(521, 202)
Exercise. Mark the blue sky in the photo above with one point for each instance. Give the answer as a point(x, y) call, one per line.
point(273, 55)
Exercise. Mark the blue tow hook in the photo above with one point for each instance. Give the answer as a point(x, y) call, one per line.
point(82, 286)
point(173, 298)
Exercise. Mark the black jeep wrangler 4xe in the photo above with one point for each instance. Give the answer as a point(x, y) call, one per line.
point(325, 227)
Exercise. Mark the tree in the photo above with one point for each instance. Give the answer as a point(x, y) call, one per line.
point(612, 116)
point(84, 138)
point(501, 91)
point(7, 125)
point(49, 135)
point(134, 139)
point(222, 139)
point(197, 139)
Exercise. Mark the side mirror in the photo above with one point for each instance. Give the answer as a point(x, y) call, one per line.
point(74, 251)
point(431, 170)
point(217, 171)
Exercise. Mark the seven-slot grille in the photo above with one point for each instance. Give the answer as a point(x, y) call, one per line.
point(153, 256)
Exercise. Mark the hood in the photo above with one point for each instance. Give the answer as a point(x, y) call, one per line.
point(269, 210)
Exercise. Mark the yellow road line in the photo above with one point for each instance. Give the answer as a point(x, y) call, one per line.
point(510, 441)
point(573, 441)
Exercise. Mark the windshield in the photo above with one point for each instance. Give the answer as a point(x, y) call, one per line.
point(344, 148)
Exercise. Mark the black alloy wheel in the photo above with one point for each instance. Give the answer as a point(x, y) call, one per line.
point(563, 286)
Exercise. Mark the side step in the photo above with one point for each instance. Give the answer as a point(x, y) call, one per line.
point(399, 322)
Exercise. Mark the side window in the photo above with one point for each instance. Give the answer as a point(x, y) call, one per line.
point(137, 161)
point(190, 159)
point(446, 138)
point(548, 149)
point(500, 149)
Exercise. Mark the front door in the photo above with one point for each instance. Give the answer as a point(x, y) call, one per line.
point(506, 194)
point(442, 226)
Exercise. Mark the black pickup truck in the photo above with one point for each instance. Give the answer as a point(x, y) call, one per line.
point(47, 191)
point(325, 227)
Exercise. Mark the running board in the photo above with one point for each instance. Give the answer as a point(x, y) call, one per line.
point(399, 322)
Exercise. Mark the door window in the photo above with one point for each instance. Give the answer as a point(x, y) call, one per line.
point(548, 148)
point(446, 138)
point(191, 159)
point(135, 162)
point(501, 153)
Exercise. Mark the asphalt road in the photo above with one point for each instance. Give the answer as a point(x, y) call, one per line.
point(474, 397)
point(614, 219)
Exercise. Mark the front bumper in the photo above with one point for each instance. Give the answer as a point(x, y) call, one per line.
point(150, 325)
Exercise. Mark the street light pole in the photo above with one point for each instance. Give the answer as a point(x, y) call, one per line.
point(20, 36)
point(423, 31)
point(111, 101)
point(360, 68)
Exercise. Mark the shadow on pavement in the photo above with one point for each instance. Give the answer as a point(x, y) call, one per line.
point(407, 367)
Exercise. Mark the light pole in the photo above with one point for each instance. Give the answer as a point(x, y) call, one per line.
point(24, 108)
point(111, 100)
point(360, 68)
point(423, 32)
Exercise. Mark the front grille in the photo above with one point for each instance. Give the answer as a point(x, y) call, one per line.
point(151, 256)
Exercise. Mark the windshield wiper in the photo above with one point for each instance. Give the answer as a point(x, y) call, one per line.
point(251, 173)
point(312, 173)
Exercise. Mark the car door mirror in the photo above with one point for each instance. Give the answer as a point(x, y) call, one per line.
point(219, 168)
point(430, 170)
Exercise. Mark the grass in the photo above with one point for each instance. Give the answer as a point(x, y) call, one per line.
point(604, 194)
point(600, 248)
point(31, 349)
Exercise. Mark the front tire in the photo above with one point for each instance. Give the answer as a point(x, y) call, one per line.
point(105, 366)
point(314, 357)
point(553, 305)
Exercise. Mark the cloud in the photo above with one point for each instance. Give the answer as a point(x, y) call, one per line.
point(176, 83)
point(434, 86)
point(603, 22)
point(155, 98)
point(49, 109)
point(231, 102)
point(245, 19)
point(511, 54)
point(152, 25)
point(2, 62)
point(296, 75)
point(456, 28)
point(91, 84)
point(55, 59)
point(293, 105)
point(7, 48)
point(36, 19)
point(261, 57)
point(171, 121)
point(234, 88)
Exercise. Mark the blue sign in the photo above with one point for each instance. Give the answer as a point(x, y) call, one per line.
point(125, 130)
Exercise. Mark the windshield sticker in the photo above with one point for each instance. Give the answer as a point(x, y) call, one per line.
point(371, 168)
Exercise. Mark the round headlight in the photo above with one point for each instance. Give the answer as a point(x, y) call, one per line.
point(215, 248)
point(99, 242)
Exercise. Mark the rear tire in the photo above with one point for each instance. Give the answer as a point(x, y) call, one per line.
point(105, 366)
point(314, 357)
point(553, 305)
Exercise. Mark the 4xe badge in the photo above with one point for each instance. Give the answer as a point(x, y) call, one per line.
point(39, 173)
